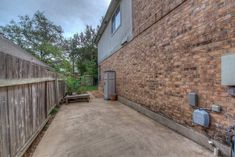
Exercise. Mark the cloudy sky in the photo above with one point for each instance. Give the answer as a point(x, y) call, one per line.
point(72, 15)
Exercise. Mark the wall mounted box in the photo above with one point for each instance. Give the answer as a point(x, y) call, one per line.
point(201, 117)
point(193, 99)
point(216, 108)
point(228, 70)
point(231, 91)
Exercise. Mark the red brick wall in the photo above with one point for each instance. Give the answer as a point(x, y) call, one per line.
point(147, 12)
point(177, 53)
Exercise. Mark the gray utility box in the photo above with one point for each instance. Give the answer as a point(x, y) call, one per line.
point(228, 70)
point(231, 91)
point(193, 99)
point(201, 117)
point(109, 84)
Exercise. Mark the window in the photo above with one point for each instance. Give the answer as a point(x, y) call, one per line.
point(116, 20)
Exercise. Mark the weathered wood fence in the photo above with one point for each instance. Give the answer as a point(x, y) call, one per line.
point(28, 92)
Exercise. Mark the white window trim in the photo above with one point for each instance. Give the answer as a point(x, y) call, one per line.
point(113, 32)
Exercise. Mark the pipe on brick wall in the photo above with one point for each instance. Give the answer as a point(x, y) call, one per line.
point(215, 149)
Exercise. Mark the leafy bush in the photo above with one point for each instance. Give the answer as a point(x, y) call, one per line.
point(72, 83)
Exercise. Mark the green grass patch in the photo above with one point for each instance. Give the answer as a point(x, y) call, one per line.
point(84, 89)
point(54, 111)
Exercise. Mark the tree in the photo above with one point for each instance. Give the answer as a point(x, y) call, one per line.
point(44, 39)
point(39, 36)
point(83, 52)
point(71, 47)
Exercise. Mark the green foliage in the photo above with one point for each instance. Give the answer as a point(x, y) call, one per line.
point(84, 89)
point(88, 67)
point(91, 68)
point(83, 52)
point(45, 40)
point(39, 36)
point(72, 83)
point(55, 110)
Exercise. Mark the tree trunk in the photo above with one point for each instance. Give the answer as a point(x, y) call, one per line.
point(73, 67)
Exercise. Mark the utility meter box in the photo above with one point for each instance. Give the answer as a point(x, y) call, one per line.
point(231, 91)
point(193, 99)
point(201, 117)
point(228, 70)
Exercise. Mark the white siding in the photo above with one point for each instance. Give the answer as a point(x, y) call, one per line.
point(109, 43)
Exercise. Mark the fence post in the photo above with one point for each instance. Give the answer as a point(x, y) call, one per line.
point(46, 100)
point(57, 90)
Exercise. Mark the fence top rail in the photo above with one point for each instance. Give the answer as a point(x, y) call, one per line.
point(17, 82)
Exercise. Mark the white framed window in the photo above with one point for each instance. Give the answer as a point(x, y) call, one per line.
point(116, 20)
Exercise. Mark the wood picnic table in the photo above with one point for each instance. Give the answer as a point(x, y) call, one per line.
point(77, 98)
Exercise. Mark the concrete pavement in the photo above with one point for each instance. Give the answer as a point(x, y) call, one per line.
point(111, 129)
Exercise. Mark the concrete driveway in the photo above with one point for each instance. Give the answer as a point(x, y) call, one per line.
point(111, 129)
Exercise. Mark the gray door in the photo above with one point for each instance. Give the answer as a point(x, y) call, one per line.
point(109, 84)
point(106, 91)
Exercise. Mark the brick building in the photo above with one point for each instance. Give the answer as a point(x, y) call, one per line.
point(161, 50)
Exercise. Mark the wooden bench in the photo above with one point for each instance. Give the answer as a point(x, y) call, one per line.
point(77, 98)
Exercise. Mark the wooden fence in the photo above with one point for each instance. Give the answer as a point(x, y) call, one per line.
point(28, 92)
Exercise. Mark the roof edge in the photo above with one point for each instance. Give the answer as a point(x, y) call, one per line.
point(112, 6)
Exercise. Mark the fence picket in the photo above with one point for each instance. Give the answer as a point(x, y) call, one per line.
point(27, 95)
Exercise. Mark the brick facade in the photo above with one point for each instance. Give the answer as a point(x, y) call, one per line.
point(177, 49)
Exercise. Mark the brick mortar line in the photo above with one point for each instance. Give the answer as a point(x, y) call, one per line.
point(158, 20)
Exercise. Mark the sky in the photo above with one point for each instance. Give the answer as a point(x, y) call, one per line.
point(72, 15)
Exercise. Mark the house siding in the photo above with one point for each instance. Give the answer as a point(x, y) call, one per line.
point(177, 49)
point(110, 43)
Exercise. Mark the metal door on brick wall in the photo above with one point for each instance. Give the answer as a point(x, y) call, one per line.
point(109, 84)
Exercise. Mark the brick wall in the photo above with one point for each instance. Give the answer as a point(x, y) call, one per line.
point(176, 52)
